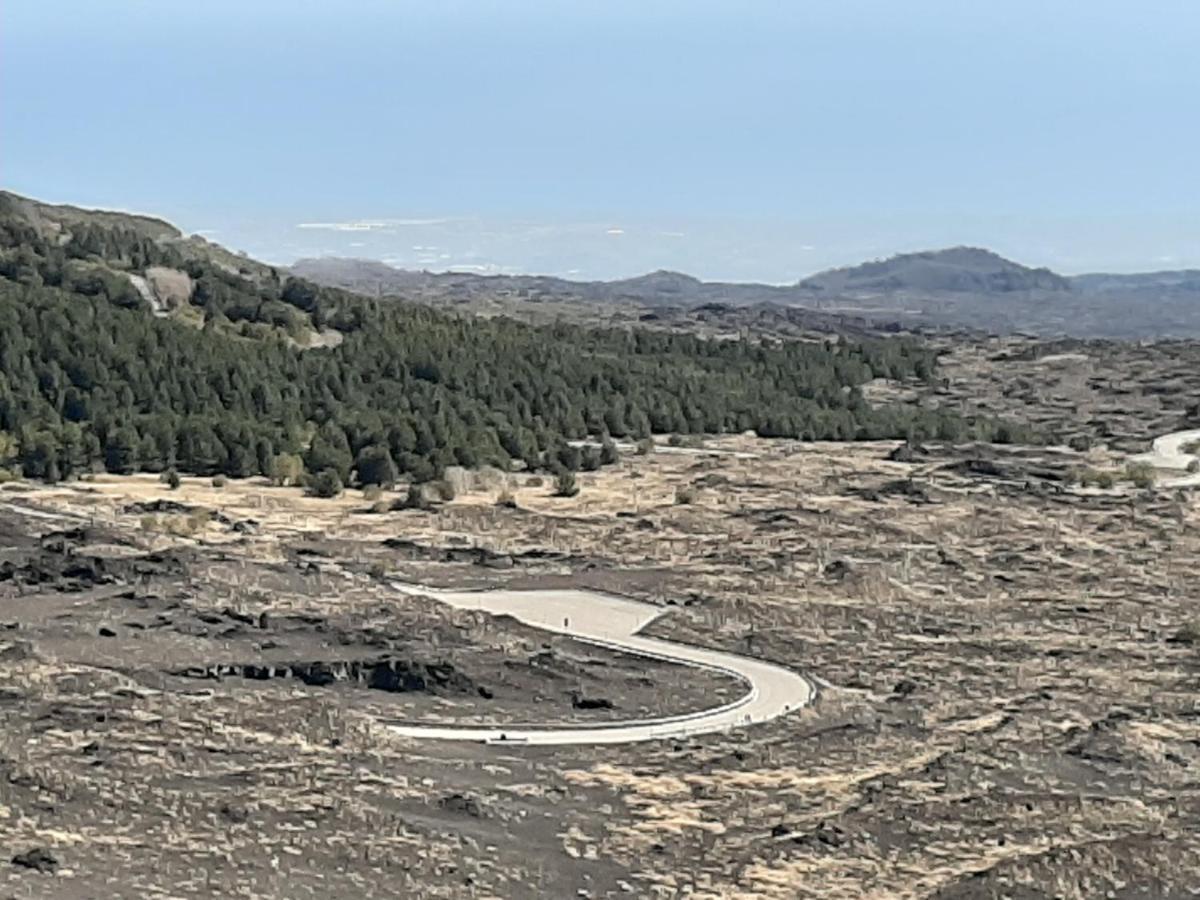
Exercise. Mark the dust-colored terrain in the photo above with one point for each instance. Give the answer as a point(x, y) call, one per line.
point(1105, 393)
point(194, 681)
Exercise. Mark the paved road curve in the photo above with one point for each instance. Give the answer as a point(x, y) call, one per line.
point(1166, 454)
point(613, 621)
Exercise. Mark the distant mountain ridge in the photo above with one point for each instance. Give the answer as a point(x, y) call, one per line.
point(954, 288)
point(656, 288)
point(957, 287)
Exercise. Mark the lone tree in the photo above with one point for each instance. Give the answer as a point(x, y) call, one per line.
point(608, 451)
point(171, 479)
point(326, 483)
point(414, 499)
point(564, 484)
point(376, 466)
point(286, 468)
point(590, 459)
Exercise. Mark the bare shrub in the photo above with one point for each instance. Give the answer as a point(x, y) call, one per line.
point(685, 496)
point(489, 478)
point(414, 499)
point(459, 481)
point(1141, 474)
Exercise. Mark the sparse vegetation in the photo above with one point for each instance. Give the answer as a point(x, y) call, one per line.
point(685, 495)
point(609, 455)
point(590, 459)
point(1189, 633)
point(1141, 474)
point(286, 468)
point(565, 484)
point(414, 498)
point(830, 546)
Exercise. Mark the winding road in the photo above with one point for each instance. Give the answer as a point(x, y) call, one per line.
point(614, 622)
point(1167, 454)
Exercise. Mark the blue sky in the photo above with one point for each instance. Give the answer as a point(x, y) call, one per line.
point(741, 139)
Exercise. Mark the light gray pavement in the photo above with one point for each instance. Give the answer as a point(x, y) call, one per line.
point(612, 621)
point(1167, 455)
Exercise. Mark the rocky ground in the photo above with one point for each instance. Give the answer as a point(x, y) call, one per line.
point(1104, 393)
point(195, 683)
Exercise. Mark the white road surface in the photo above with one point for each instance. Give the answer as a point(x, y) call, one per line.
point(611, 621)
point(1167, 455)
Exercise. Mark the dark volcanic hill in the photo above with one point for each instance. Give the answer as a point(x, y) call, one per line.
point(968, 270)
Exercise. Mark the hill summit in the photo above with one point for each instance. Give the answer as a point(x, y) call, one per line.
point(955, 269)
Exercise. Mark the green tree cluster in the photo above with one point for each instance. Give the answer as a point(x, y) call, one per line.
point(89, 379)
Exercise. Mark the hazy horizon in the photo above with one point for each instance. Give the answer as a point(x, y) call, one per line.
point(609, 140)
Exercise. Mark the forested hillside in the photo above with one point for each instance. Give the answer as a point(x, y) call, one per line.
point(216, 382)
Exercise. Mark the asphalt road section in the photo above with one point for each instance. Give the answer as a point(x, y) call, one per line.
point(611, 621)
